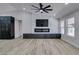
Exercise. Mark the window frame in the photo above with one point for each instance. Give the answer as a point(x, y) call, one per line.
point(62, 26)
point(70, 27)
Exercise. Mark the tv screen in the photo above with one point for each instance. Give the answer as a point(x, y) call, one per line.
point(41, 22)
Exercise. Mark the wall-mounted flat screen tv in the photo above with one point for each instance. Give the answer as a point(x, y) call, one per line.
point(41, 22)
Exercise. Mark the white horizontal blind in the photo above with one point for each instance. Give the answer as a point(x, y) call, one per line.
point(62, 27)
point(71, 28)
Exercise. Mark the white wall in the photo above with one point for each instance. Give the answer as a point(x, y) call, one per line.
point(27, 23)
point(53, 23)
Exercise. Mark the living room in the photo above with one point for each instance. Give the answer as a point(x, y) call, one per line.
point(39, 28)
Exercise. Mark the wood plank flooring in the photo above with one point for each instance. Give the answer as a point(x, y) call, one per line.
point(36, 47)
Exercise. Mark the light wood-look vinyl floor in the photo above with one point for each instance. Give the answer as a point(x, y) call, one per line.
point(36, 47)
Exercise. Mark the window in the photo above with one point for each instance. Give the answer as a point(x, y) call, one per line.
point(62, 27)
point(71, 29)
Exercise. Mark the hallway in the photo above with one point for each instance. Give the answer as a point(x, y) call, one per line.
point(36, 47)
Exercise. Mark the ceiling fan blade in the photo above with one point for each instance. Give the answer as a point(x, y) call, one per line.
point(34, 9)
point(35, 6)
point(45, 11)
point(47, 6)
point(40, 5)
point(49, 9)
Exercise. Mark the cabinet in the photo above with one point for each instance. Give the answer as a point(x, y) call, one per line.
point(6, 27)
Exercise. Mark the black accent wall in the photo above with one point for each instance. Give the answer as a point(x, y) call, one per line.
point(6, 27)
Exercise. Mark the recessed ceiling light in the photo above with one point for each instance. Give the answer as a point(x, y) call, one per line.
point(24, 8)
point(66, 3)
point(54, 14)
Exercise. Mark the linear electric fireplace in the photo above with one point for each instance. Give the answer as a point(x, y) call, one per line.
point(42, 30)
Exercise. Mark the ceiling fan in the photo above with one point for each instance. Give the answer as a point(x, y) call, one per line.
point(42, 9)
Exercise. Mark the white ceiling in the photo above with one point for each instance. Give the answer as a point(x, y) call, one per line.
point(56, 7)
point(59, 9)
point(70, 8)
